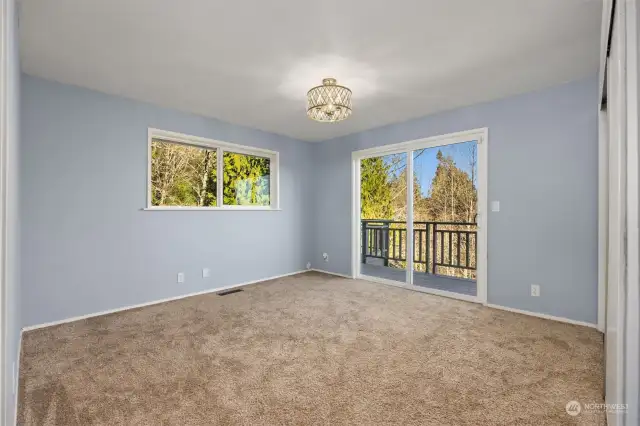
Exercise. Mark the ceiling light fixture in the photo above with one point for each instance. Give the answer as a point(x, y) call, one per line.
point(329, 102)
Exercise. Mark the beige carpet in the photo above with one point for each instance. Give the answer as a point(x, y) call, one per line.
point(310, 349)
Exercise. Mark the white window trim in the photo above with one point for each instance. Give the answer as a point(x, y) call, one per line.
point(220, 147)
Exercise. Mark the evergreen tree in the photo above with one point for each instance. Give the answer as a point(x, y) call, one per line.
point(375, 190)
point(245, 180)
point(453, 196)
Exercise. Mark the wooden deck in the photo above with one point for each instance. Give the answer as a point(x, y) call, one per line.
point(438, 282)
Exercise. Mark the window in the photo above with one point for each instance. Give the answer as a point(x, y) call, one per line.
point(189, 173)
point(182, 175)
point(246, 180)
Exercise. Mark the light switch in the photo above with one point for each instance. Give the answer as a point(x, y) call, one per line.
point(495, 206)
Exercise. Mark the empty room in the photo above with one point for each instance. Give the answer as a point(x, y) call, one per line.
point(284, 212)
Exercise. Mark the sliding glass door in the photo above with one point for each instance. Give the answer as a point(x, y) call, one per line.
point(418, 215)
point(383, 217)
point(445, 207)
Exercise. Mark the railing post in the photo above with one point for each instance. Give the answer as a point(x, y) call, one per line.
point(385, 244)
point(435, 254)
point(426, 241)
point(364, 241)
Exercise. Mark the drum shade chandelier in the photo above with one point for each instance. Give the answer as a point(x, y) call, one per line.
point(329, 103)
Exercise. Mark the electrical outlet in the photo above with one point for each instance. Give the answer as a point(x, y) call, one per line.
point(308, 265)
point(206, 273)
point(535, 290)
point(180, 277)
point(325, 256)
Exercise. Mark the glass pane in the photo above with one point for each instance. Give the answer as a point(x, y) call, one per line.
point(383, 204)
point(246, 180)
point(444, 214)
point(182, 175)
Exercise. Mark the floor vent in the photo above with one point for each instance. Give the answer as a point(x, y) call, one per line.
point(224, 293)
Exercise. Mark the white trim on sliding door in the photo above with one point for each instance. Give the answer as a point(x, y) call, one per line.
point(409, 223)
point(482, 262)
point(430, 142)
point(482, 137)
point(355, 217)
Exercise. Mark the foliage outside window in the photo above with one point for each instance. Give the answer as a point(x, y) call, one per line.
point(246, 180)
point(185, 174)
point(182, 175)
point(449, 196)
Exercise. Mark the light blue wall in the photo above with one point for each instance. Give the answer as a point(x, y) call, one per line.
point(543, 169)
point(87, 245)
point(13, 289)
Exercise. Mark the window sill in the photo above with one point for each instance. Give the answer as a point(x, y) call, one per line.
point(213, 209)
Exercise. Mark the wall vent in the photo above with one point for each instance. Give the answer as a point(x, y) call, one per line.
point(224, 293)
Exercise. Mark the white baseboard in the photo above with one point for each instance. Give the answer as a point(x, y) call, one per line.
point(155, 302)
point(465, 298)
point(17, 384)
point(468, 299)
point(322, 271)
point(545, 316)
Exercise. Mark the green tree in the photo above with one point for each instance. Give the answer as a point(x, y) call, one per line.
point(375, 190)
point(184, 175)
point(452, 196)
point(181, 175)
point(246, 180)
point(398, 186)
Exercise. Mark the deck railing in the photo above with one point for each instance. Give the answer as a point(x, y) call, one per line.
point(435, 244)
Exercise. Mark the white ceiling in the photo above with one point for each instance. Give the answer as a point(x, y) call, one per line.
point(250, 62)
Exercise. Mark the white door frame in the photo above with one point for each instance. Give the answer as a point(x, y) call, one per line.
point(614, 339)
point(4, 38)
point(619, 270)
point(482, 136)
point(603, 166)
point(603, 214)
point(632, 317)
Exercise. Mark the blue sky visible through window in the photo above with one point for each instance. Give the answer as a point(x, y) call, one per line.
point(425, 161)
